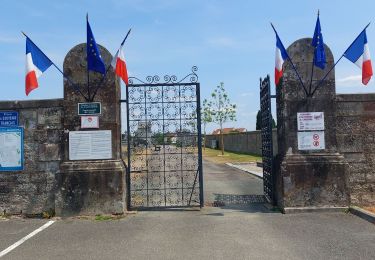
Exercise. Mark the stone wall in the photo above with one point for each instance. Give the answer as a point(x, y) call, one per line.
point(32, 191)
point(248, 142)
point(50, 181)
point(356, 141)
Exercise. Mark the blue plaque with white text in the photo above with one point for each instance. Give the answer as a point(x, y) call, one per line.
point(8, 118)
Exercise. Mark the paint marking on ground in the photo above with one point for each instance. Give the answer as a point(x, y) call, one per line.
point(19, 242)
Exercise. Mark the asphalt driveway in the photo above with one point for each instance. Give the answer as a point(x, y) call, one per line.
point(232, 231)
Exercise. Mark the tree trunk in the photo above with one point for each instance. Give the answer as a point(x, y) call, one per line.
point(222, 139)
point(204, 138)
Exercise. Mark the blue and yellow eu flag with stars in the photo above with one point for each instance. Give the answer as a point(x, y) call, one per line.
point(317, 43)
point(94, 59)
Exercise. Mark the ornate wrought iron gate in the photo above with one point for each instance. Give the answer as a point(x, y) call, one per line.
point(267, 145)
point(164, 145)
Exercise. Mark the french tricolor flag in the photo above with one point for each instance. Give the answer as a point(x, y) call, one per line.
point(281, 56)
point(36, 63)
point(119, 65)
point(359, 53)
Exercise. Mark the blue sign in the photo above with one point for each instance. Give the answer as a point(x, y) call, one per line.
point(8, 118)
point(11, 149)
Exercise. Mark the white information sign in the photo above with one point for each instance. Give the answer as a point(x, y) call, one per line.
point(11, 149)
point(90, 145)
point(310, 121)
point(89, 122)
point(311, 140)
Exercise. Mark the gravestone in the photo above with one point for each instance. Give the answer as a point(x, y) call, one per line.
point(92, 176)
point(312, 173)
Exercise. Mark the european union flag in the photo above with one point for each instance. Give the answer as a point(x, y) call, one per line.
point(317, 42)
point(94, 59)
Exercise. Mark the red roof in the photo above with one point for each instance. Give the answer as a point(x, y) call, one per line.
point(229, 130)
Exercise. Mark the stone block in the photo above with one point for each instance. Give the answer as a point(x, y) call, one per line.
point(370, 176)
point(368, 200)
point(40, 136)
point(347, 143)
point(54, 136)
point(28, 119)
point(368, 124)
point(95, 187)
point(5, 188)
point(314, 181)
point(349, 109)
point(349, 125)
point(49, 152)
point(356, 172)
point(50, 116)
point(354, 157)
point(49, 166)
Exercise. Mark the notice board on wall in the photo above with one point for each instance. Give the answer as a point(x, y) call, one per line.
point(90, 145)
point(310, 131)
point(11, 149)
point(311, 140)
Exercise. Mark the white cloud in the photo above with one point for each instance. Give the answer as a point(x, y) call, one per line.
point(9, 39)
point(351, 81)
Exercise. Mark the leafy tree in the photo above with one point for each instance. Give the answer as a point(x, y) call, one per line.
point(158, 139)
point(221, 110)
point(258, 124)
point(206, 118)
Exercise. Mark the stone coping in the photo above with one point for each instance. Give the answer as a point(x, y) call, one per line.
point(256, 174)
point(359, 212)
point(363, 214)
point(363, 97)
point(27, 104)
point(91, 165)
point(292, 210)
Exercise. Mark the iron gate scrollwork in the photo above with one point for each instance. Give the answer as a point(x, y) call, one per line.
point(164, 147)
point(267, 144)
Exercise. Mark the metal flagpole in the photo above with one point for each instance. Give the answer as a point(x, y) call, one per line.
point(294, 67)
point(312, 66)
point(87, 60)
point(334, 65)
point(108, 67)
point(312, 73)
point(76, 88)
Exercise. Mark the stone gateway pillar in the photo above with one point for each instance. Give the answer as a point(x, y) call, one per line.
point(310, 172)
point(92, 177)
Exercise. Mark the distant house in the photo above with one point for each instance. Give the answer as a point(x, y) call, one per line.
point(229, 130)
point(185, 138)
point(142, 136)
point(170, 138)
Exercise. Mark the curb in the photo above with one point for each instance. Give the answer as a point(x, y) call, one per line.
point(256, 174)
point(292, 210)
point(363, 214)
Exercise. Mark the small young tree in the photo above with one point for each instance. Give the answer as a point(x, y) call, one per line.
point(206, 117)
point(221, 110)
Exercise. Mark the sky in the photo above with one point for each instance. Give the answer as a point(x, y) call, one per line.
point(230, 41)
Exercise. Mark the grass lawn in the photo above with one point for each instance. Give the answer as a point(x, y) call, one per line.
point(213, 155)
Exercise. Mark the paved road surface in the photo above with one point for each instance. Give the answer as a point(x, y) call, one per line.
point(220, 179)
point(229, 232)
